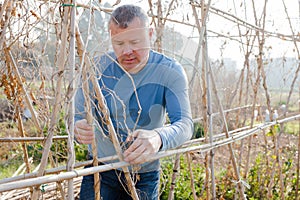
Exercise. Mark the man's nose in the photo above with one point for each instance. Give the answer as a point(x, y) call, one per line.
point(127, 49)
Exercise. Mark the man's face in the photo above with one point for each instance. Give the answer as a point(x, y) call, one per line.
point(131, 45)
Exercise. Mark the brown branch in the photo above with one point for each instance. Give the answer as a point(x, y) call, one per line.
point(19, 79)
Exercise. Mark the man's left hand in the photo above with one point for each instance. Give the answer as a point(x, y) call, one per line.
point(145, 144)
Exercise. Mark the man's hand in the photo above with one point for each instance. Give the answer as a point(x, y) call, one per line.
point(145, 144)
point(84, 132)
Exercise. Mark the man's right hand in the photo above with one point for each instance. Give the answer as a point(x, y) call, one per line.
point(84, 133)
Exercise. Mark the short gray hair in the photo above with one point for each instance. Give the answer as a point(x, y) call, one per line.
point(124, 15)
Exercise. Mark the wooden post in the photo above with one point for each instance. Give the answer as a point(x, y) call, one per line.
point(71, 99)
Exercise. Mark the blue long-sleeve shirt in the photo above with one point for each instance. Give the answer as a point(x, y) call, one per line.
point(142, 101)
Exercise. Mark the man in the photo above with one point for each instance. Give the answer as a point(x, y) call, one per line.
point(140, 86)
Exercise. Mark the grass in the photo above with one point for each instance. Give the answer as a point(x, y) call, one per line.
point(292, 127)
point(9, 167)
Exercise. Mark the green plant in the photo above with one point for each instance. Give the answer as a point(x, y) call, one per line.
point(9, 167)
point(35, 151)
point(198, 130)
point(292, 127)
point(183, 188)
point(257, 179)
point(81, 152)
point(225, 186)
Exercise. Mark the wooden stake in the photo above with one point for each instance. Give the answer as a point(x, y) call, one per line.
point(105, 111)
point(176, 168)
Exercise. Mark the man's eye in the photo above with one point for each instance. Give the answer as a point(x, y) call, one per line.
point(135, 41)
point(118, 43)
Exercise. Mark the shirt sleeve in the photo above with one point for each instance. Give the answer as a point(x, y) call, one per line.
point(178, 109)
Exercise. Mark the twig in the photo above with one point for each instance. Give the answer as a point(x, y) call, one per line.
point(7, 6)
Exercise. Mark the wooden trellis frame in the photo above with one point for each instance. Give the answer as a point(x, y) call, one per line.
point(34, 179)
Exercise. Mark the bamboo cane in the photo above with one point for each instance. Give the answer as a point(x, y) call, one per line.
point(278, 158)
point(203, 148)
point(58, 183)
point(176, 168)
point(298, 157)
point(260, 72)
point(64, 137)
point(58, 98)
point(112, 158)
point(234, 163)
point(240, 83)
point(31, 139)
point(89, 118)
point(236, 134)
point(21, 168)
point(201, 28)
point(81, 50)
point(189, 161)
point(22, 132)
point(113, 136)
point(210, 118)
point(11, 61)
point(112, 133)
point(272, 170)
point(70, 98)
point(27, 100)
point(296, 47)
point(83, 172)
point(57, 169)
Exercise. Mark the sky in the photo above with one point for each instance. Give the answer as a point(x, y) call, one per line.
point(276, 22)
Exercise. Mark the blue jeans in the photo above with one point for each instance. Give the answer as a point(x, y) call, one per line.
point(113, 186)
